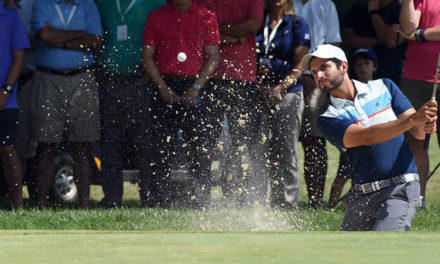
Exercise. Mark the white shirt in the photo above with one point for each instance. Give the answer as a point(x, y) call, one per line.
point(322, 18)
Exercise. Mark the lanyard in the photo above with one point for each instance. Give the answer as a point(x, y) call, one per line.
point(60, 15)
point(269, 38)
point(130, 6)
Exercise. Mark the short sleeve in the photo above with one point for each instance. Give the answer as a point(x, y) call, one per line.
point(212, 36)
point(399, 101)
point(333, 129)
point(302, 32)
point(93, 19)
point(149, 37)
point(19, 37)
point(333, 34)
point(256, 9)
point(418, 4)
point(39, 16)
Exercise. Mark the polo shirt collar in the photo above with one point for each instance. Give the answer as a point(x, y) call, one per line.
point(76, 2)
point(194, 7)
point(361, 89)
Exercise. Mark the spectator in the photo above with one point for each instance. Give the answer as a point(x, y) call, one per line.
point(180, 53)
point(65, 101)
point(24, 9)
point(124, 112)
point(322, 18)
point(12, 46)
point(25, 146)
point(367, 122)
point(420, 22)
point(369, 23)
point(233, 91)
point(364, 62)
point(282, 43)
point(342, 7)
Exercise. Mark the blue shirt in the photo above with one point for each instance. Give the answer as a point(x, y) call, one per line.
point(86, 18)
point(280, 52)
point(13, 37)
point(376, 102)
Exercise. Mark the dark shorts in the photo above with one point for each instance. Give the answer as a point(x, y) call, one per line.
point(8, 127)
point(418, 93)
point(64, 104)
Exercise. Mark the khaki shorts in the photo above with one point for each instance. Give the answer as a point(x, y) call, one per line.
point(64, 104)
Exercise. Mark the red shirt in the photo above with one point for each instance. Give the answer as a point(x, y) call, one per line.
point(421, 57)
point(238, 61)
point(172, 33)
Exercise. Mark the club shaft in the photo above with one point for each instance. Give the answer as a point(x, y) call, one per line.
point(434, 90)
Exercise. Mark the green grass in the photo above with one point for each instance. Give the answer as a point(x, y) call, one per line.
point(184, 247)
point(134, 218)
point(258, 235)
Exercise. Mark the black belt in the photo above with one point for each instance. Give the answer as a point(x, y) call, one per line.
point(379, 185)
point(66, 72)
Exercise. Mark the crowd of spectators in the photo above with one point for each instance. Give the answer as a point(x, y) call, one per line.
point(110, 70)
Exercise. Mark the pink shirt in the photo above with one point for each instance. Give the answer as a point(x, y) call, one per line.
point(172, 33)
point(421, 57)
point(238, 61)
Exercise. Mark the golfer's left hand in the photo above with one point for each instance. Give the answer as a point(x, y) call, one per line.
point(430, 127)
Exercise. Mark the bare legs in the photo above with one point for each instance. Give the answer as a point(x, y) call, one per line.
point(13, 176)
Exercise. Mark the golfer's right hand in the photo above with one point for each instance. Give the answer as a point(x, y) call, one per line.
point(168, 95)
point(427, 113)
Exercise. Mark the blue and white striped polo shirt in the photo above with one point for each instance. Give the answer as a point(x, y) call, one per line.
point(376, 102)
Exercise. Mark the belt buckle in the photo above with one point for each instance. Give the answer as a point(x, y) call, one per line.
point(410, 177)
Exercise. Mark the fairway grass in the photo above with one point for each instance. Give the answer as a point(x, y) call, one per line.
point(211, 247)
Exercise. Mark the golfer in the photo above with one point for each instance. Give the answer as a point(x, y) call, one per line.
point(367, 122)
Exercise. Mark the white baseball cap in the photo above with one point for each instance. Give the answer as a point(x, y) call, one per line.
point(324, 51)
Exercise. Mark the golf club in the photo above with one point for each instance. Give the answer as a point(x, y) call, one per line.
point(434, 92)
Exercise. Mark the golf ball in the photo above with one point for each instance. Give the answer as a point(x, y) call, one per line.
point(181, 56)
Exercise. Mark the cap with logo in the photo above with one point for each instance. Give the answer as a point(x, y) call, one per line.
point(324, 51)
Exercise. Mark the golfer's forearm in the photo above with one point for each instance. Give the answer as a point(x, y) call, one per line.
point(418, 132)
point(360, 136)
point(382, 132)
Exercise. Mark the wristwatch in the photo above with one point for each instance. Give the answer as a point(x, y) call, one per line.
point(197, 86)
point(7, 88)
